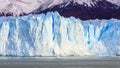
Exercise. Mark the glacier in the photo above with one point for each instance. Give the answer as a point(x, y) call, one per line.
point(53, 35)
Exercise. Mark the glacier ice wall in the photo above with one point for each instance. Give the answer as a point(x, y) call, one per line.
point(53, 35)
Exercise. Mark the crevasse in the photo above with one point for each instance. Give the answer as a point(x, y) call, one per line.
point(53, 35)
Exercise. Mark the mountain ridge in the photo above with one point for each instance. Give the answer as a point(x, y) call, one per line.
point(83, 9)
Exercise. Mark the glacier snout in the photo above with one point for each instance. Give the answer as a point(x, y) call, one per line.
point(53, 35)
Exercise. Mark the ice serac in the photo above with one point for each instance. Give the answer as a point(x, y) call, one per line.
point(53, 35)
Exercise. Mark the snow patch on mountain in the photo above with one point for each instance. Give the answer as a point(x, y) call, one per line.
point(19, 7)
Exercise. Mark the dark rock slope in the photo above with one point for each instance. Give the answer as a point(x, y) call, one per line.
point(96, 9)
point(101, 10)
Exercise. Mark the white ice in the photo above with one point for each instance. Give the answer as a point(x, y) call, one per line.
point(53, 35)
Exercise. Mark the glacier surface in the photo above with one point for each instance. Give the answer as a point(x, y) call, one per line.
point(53, 35)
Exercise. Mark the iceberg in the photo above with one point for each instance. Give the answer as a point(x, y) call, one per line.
point(53, 35)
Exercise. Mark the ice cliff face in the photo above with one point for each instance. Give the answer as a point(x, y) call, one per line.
point(53, 35)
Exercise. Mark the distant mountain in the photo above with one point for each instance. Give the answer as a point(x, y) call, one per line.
point(101, 9)
point(83, 9)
